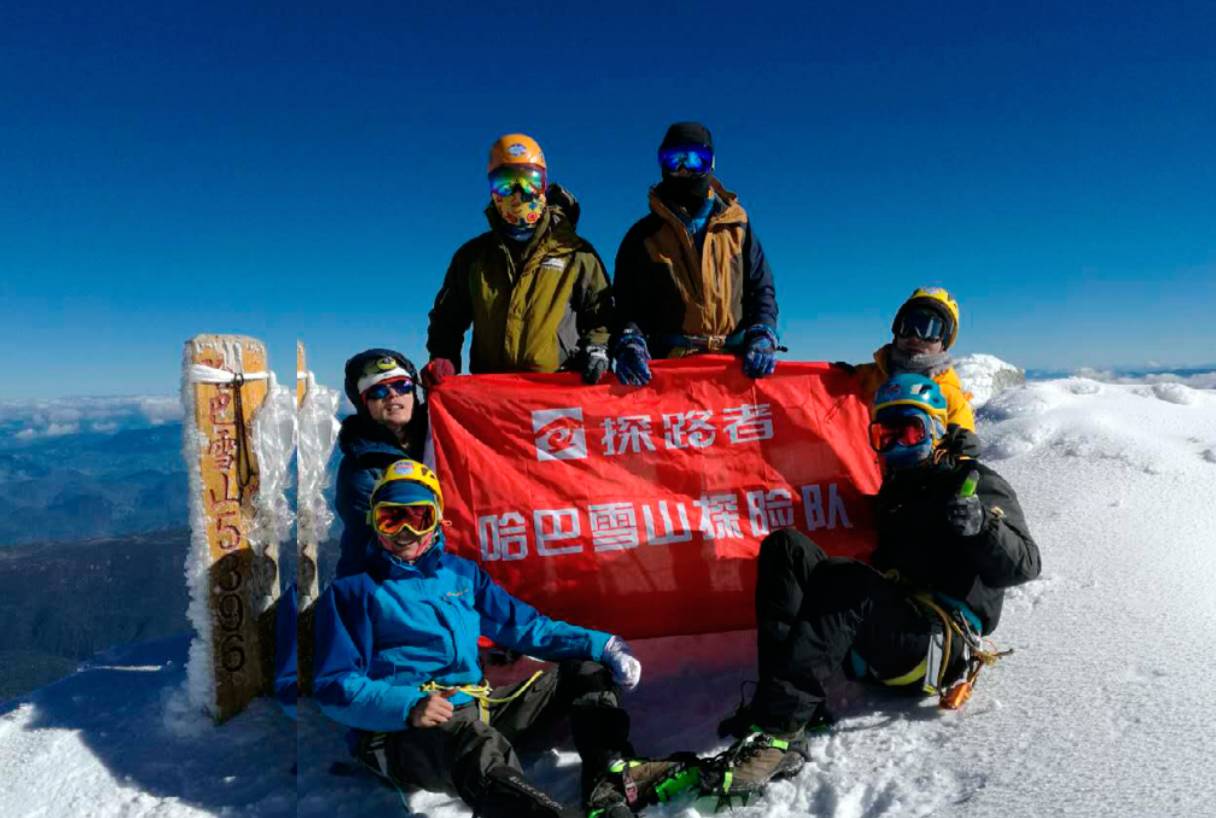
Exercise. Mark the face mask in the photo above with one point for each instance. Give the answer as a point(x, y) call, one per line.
point(518, 211)
point(687, 192)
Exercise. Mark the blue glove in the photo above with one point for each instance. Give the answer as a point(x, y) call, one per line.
point(759, 351)
point(632, 360)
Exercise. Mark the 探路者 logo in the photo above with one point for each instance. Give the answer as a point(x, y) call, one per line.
point(559, 434)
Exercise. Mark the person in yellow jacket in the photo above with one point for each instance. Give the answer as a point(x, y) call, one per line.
point(535, 293)
point(924, 329)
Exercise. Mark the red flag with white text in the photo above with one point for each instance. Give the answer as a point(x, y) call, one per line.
point(640, 511)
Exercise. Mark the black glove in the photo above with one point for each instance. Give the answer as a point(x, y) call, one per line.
point(846, 368)
point(959, 442)
point(965, 515)
point(595, 363)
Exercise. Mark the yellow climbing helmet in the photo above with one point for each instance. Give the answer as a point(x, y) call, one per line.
point(406, 483)
point(940, 301)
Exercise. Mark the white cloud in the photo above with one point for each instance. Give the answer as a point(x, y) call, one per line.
point(24, 420)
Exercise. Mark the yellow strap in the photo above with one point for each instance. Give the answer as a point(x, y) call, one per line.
point(911, 677)
point(481, 693)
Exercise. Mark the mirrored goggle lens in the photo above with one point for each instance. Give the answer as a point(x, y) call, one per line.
point(886, 435)
point(382, 390)
point(922, 324)
point(696, 159)
point(505, 180)
point(392, 519)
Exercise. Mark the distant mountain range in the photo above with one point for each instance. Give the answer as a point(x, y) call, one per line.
point(88, 485)
point(61, 602)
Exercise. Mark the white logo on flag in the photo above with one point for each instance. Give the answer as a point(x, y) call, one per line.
point(559, 434)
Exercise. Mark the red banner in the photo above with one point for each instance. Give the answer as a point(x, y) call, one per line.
point(641, 511)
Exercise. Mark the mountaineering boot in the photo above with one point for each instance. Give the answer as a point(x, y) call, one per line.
point(742, 722)
point(640, 782)
point(507, 794)
point(750, 763)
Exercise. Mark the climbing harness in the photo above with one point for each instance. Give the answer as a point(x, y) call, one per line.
point(961, 623)
point(481, 693)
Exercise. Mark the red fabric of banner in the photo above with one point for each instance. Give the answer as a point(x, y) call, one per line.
point(640, 511)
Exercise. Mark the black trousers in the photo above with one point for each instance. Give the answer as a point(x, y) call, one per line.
point(465, 757)
point(811, 610)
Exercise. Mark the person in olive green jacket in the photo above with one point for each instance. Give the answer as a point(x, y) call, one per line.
point(535, 293)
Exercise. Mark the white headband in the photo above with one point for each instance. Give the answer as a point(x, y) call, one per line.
point(368, 381)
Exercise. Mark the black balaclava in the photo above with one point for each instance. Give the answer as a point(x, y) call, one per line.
point(686, 192)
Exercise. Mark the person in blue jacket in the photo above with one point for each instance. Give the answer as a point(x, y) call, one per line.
point(389, 423)
point(396, 659)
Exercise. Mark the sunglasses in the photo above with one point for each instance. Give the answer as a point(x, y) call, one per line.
point(924, 324)
point(419, 519)
point(887, 434)
point(530, 180)
point(697, 159)
point(400, 386)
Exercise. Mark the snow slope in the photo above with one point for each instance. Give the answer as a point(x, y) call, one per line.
point(1104, 709)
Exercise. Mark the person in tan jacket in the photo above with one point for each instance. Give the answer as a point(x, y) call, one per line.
point(691, 275)
point(925, 327)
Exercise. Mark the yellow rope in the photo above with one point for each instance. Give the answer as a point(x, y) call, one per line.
point(481, 693)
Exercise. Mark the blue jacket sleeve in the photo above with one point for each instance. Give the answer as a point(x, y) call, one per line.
point(519, 626)
point(342, 685)
point(759, 292)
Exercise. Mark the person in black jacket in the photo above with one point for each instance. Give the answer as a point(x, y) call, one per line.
point(951, 539)
point(389, 424)
point(691, 275)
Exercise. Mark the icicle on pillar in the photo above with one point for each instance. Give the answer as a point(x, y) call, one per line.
point(223, 408)
point(307, 588)
point(306, 578)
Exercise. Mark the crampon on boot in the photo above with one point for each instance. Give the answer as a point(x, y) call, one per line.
point(639, 782)
point(743, 771)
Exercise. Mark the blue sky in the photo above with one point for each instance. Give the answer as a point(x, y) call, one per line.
point(168, 169)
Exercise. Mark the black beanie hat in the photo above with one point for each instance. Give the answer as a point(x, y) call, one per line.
point(356, 366)
point(686, 134)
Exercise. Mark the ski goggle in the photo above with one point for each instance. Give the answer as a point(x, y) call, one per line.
point(391, 519)
point(401, 386)
point(905, 431)
point(529, 179)
point(924, 324)
point(696, 159)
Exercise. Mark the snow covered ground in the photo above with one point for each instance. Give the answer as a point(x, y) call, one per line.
point(1104, 709)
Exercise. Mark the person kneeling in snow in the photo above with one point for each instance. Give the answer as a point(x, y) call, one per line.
point(924, 329)
point(396, 659)
point(951, 538)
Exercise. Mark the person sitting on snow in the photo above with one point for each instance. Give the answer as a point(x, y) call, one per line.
point(534, 291)
point(396, 659)
point(389, 423)
point(925, 327)
point(691, 276)
point(951, 539)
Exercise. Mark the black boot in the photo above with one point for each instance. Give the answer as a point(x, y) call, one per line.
point(507, 794)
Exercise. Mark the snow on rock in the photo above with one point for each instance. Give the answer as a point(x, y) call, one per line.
point(1103, 709)
point(986, 375)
